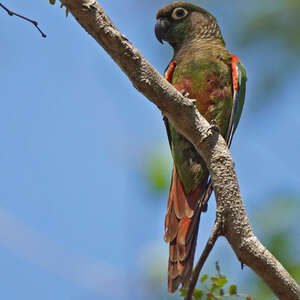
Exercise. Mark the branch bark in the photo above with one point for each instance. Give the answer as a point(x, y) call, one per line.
point(210, 145)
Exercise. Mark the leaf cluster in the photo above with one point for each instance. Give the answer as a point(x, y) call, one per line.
point(215, 287)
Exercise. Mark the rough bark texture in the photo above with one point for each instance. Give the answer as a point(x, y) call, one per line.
point(210, 145)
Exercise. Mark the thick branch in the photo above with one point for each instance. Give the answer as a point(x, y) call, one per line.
point(210, 145)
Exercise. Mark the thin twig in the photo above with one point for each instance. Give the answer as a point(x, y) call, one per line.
point(209, 246)
point(35, 23)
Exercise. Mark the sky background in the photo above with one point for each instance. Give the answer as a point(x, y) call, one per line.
point(78, 217)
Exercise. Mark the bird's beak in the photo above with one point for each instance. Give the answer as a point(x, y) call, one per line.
point(161, 28)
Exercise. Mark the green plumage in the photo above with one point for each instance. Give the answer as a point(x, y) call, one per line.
point(209, 81)
point(204, 70)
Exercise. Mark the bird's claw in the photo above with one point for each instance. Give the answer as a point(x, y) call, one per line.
point(214, 126)
point(185, 93)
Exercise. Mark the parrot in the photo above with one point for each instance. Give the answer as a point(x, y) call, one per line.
point(201, 69)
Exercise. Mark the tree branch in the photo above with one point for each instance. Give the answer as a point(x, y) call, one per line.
point(209, 246)
point(210, 145)
point(35, 23)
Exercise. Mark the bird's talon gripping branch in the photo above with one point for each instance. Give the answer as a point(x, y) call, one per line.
point(89, 6)
point(185, 93)
point(214, 126)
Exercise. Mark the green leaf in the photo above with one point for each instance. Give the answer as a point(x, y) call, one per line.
point(214, 287)
point(222, 281)
point(214, 279)
point(218, 282)
point(232, 289)
point(198, 294)
point(203, 278)
point(182, 292)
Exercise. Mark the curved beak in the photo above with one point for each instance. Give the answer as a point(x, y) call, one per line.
point(161, 28)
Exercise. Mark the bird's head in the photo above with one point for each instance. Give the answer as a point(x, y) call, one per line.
point(181, 21)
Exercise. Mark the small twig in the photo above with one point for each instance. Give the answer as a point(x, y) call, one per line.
point(218, 269)
point(35, 23)
point(209, 246)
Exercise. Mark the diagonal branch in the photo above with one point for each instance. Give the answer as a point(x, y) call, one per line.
point(209, 246)
point(210, 145)
point(35, 23)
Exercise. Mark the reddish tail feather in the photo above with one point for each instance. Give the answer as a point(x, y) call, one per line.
point(181, 230)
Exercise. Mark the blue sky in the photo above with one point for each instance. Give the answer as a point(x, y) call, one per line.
point(77, 219)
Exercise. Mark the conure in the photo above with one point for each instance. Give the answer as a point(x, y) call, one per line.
point(202, 69)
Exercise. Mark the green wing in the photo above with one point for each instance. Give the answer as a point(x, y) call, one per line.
point(239, 91)
point(237, 106)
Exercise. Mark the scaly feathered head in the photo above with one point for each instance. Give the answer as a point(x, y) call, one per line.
point(182, 21)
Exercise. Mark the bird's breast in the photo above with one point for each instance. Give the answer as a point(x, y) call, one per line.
point(208, 82)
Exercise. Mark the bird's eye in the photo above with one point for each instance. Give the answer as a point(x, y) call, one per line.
point(179, 13)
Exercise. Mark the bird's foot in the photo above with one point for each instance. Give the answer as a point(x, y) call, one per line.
point(185, 93)
point(214, 126)
point(193, 101)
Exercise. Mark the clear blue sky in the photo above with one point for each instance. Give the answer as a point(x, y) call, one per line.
point(77, 220)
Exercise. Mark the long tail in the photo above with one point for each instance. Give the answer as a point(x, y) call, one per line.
point(181, 230)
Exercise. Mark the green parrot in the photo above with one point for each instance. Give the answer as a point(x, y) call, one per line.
point(202, 69)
